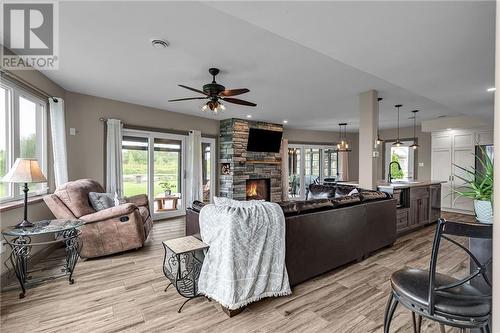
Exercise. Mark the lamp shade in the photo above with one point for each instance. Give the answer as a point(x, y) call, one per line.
point(25, 170)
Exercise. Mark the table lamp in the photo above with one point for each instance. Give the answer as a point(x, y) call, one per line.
point(25, 170)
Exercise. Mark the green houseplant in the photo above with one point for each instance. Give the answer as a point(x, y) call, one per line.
point(167, 187)
point(478, 186)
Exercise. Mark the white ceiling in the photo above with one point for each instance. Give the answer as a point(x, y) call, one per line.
point(305, 62)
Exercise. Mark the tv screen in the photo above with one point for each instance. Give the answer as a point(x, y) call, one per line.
point(260, 140)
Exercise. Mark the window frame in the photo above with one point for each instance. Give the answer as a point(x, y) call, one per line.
point(13, 142)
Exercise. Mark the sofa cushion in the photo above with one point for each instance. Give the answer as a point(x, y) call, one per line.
point(373, 195)
point(100, 201)
point(343, 190)
point(197, 205)
point(346, 200)
point(320, 192)
point(75, 195)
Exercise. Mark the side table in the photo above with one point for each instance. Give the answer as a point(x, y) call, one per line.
point(182, 267)
point(20, 241)
point(161, 202)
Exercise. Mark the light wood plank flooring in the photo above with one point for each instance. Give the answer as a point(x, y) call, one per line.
point(125, 292)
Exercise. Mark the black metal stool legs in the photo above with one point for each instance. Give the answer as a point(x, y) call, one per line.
point(417, 322)
point(389, 312)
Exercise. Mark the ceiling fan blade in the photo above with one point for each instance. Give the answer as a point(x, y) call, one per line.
point(192, 89)
point(185, 99)
point(238, 101)
point(234, 92)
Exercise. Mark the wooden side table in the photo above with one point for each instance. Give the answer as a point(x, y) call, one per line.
point(161, 201)
point(182, 267)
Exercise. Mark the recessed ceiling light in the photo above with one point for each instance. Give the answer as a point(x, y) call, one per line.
point(491, 89)
point(159, 43)
point(285, 121)
point(249, 116)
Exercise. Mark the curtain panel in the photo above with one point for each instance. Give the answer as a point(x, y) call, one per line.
point(194, 178)
point(114, 165)
point(58, 135)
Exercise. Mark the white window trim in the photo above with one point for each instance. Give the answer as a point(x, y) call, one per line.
point(213, 156)
point(12, 104)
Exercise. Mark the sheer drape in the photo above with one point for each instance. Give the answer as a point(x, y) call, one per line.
point(194, 180)
point(343, 165)
point(114, 166)
point(58, 134)
point(284, 169)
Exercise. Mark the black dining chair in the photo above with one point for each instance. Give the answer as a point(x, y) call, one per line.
point(442, 298)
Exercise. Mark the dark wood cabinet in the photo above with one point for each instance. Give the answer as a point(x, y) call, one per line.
point(417, 210)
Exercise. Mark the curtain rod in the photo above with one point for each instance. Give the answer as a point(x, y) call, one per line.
point(7, 73)
point(159, 130)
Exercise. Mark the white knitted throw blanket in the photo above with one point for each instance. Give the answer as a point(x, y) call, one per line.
point(246, 258)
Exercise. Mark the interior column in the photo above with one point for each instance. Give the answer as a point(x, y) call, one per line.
point(368, 123)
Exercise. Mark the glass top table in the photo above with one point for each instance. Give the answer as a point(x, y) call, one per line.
point(44, 227)
point(20, 242)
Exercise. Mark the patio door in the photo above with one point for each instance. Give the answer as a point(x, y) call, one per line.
point(154, 164)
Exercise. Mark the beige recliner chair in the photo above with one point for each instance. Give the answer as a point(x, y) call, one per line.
point(108, 231)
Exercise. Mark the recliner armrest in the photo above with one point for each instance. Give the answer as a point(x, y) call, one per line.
point(109, 213)
point(138, 200)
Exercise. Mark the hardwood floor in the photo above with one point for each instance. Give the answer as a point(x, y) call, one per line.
point(125, 292)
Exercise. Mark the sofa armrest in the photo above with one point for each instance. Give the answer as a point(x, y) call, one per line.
point(109, 213)
point(138, 200)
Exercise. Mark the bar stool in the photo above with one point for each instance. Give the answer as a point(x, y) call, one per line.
point(441, 298)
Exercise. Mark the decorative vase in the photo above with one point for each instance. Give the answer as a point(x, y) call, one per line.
point(168, 192)
point(484, 211)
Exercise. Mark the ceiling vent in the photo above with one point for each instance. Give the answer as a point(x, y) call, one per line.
point(159, 43)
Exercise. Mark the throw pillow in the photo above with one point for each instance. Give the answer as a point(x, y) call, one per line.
point(100, 201)
point(354, 191)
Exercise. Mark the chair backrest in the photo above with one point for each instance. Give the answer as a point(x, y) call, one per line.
point(461, 229)
point(75, 195)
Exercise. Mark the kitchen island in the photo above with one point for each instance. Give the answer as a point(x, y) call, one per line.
point(419, 202)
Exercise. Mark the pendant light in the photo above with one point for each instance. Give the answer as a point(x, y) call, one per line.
point(414, 145)
point(343, 146)
point(379, 140)
point(398, 142)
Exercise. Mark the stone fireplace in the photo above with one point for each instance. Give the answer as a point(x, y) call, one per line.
point(258, 189)
point(238, 168)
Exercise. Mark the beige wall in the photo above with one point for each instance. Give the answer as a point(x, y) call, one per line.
point(424, 151)
point(86, 148)
point(326, 137)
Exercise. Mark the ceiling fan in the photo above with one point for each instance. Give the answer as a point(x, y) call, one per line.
point(215, 92)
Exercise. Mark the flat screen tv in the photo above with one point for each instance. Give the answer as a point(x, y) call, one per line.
point(260, 140)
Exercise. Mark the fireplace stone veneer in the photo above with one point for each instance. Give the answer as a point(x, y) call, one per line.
point(246, 165)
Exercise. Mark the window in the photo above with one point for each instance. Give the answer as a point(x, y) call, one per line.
point(404, 155)
point(319, 162)
point(208, 168)
point(24, 134)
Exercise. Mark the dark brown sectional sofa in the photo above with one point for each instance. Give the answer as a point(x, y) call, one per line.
point(324, 234)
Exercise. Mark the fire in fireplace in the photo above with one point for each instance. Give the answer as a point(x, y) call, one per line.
point(259, 189)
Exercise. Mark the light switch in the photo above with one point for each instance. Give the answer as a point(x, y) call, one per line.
point(420, 164)
point(72, 131)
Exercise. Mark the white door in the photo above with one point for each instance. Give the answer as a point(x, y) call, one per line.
point(441, 171)
point(463, 157)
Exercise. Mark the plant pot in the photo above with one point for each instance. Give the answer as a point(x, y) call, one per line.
point(484, 211)
point(168, 192)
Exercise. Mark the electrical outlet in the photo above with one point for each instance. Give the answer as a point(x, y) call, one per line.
point(72, 131)
point(420, 164)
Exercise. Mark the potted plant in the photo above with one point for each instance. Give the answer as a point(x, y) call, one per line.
point(167, 187)
point(479, 187)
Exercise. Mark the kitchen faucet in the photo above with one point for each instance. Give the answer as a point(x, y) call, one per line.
point(390, 165)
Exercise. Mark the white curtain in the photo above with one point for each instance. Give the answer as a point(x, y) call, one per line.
point(343, 165)
point(194, 179)
point(114, 167)
point(284, 170)
point(58, 134)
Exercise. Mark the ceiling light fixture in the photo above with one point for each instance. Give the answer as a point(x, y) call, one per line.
point(343, 146)
point(159, 43)
point(285, 121)
point(398, 142)
point(249, 116)
point(379, 140)
point(491, 89)
point(214, 105)
point(414, 145)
